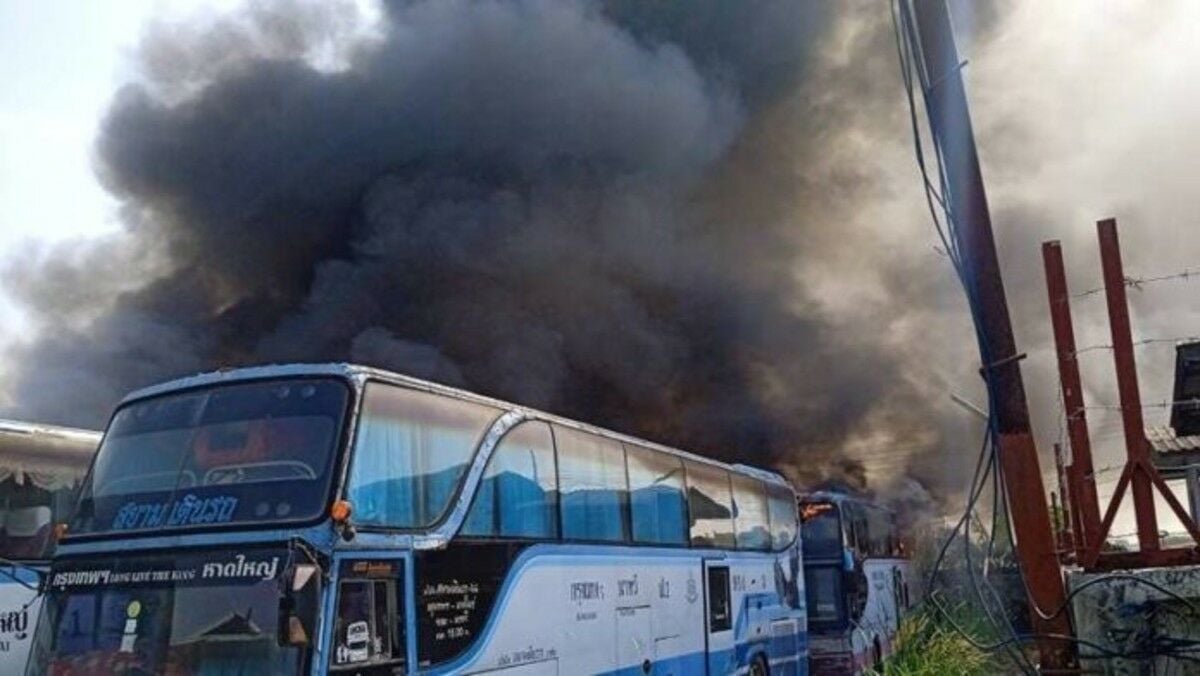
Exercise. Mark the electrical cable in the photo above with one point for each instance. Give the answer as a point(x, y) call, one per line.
point(907, 48)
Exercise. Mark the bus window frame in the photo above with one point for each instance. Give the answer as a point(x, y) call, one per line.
point(395, 617)
point(474, 537)
point(333, 489)
point(626, 502)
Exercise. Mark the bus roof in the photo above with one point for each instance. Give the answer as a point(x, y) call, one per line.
point(363, 373)
point(27, 447)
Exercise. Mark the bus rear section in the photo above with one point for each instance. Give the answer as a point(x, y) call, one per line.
point(40, 470)
point(856, 581)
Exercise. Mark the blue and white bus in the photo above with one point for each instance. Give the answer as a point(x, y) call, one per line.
point(40, 469)
point(858, 582)
point(341, 519)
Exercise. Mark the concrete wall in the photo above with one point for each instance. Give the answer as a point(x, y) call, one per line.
point(1155, 632)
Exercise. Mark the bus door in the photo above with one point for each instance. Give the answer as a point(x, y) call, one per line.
point(369, 607)
point(718, 617)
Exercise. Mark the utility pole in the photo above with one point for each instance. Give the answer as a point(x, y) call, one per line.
point(966, 200)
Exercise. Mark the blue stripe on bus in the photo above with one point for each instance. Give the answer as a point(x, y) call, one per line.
point(581, 555)
point(681, 665)
point(719, 662)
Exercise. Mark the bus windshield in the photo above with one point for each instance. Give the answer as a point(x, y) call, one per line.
point(197, 613)
point(238, 453)
point(821, 530)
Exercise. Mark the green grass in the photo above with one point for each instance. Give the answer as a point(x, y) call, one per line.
point(927, 645)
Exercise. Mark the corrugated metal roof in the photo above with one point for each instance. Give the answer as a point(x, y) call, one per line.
point(1164, 441)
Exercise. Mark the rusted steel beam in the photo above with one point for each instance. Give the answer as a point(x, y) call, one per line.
point(1093, 551)
point(1085, 504)
point(1159, 558)
point(950, 122)
point(1137, 448)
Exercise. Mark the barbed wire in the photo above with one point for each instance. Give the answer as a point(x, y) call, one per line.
point(1138, 282)
point(1144, 404)
point(1108, 468)
point(1139, 343)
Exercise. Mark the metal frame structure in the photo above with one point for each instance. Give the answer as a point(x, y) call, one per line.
point(1139, 471)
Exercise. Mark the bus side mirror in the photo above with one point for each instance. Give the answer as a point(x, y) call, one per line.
point(300, 606)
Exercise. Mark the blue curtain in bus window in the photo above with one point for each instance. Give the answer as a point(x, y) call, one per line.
point(591, 473)
point(656, 498)
point(481, 520)
point(411, 451)
point(516, 497)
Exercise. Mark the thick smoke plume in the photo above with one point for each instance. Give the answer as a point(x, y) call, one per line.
point(642, 215)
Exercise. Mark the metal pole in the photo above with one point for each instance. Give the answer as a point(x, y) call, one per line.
point(1055, 521)
point(1193, 491)
point(1085, 505)
point(1064, 518)
point(1136, 446)
point(949, 118)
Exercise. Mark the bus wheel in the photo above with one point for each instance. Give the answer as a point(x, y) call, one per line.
point(759, 666)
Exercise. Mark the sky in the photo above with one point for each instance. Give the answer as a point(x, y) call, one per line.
point(1080, 114)
point(61, 63)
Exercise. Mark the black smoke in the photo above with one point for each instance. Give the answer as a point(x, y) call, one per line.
point(601, 209)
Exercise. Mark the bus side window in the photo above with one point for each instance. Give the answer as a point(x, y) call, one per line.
point(710, 506)
point(879, 529)
point(594, 490)
point(855, 524)
point(518, 493)
point(656, 497)
point(410, 451)
point(750, 515)
point(781, 503)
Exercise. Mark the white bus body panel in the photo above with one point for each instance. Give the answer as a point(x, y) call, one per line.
point(19, 610)
point(612, 609)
